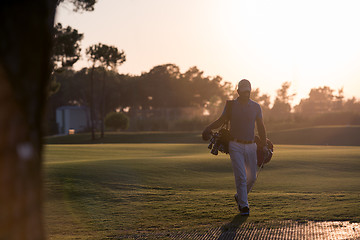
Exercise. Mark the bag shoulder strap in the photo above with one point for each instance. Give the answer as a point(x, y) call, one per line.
point(229, 104)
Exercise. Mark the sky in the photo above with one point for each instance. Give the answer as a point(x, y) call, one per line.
point(310, 43)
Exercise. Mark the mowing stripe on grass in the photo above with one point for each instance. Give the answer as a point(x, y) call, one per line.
point(124, 189)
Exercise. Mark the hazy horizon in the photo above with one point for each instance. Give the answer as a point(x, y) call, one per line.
point(308, 43)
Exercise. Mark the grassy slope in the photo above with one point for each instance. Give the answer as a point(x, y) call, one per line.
point(325, 135)
point(322, 135)
point(129, 137)
point(117, 189)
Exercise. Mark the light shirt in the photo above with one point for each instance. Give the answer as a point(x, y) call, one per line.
point(242, 121)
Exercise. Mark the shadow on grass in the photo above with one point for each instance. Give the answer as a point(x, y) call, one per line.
point(228, 231)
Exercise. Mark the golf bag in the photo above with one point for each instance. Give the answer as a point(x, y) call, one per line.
point(219, 141)
point(264, 154)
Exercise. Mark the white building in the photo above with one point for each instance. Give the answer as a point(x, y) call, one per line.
point(73, 118)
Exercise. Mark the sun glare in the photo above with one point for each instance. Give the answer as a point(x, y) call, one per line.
point(312, 43)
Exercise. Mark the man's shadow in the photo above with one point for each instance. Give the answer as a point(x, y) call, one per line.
point(228, 231)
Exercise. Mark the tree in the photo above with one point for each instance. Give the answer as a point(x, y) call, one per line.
point(283, 93)
point(110, 59)
point(24, 74)
point(338, 100)
point(117, 120)
point(320, 100)
point(352, 105)
point(92, 51)
point(80, 5)
point(282, 108)
point(107, 57)
point(25, 52)
point(66, 50)
point(164, 86)
point(263, 100)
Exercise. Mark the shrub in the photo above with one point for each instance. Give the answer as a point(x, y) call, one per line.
point(116, 120)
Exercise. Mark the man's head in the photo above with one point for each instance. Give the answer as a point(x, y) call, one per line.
point(244, 89)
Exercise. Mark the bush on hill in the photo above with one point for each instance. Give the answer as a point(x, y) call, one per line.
point(116, 120)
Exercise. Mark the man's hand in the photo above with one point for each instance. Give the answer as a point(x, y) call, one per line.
point(262, 143)
point(206, 134)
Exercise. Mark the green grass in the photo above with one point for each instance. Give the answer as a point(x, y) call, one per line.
point(112, 190)
point(128, 137)
point(320, 135)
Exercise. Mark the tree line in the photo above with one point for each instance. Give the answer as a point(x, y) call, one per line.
point(323, 106)
point(143, 98)
point(163, 87)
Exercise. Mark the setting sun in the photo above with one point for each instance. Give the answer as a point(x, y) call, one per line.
point(310, 43)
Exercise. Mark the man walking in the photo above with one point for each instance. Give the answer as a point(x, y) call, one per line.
point(242, 113)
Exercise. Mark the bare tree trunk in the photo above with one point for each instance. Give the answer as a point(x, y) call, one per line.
point(102, 105)
point(25, 50)
point(92, 103)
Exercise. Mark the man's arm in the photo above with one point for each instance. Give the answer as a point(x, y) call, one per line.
point(206, 134)
point(261, 130)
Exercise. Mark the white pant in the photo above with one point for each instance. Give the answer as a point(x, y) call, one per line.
point(244, 162)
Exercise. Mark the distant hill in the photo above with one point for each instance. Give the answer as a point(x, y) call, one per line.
point(322, 135)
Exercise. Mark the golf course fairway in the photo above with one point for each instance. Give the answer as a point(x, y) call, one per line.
point(104, 190)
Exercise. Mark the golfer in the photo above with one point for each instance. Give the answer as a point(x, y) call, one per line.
point(242, 148)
